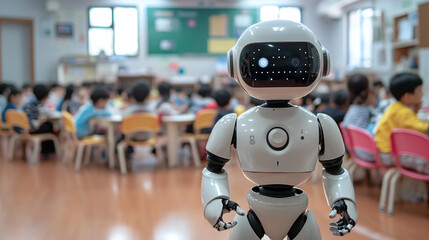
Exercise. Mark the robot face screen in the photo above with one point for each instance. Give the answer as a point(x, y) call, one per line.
point(279, 64)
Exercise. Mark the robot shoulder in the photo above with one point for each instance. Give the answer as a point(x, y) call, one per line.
point(222, 136)
point(330, 138)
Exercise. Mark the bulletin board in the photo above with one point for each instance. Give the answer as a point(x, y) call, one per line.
point(196, 30)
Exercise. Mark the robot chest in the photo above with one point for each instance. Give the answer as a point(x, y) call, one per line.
point(280, 143)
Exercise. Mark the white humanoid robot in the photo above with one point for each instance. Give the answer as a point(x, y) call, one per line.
point(277, 144)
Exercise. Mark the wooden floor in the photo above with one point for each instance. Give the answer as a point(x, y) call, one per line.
point(51, 201)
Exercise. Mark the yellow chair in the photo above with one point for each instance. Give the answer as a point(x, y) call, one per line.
point(135, 123)
point(71, 140)
point(19, 119)
point(203, 119)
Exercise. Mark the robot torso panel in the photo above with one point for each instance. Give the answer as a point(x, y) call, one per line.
point(277, 145)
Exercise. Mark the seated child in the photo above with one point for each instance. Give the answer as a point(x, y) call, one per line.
point(360, 111)
point(94, 108)
point(222, 98)
point(13, 101)
point(407, 90)
point(202, 99)
point(165, 107)
point(37, 115)
point(139, 93)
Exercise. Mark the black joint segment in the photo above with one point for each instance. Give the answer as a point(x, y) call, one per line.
point(297, 226)
point(340, 206)
point(229, 205)
point(275, 190)
point(276, 104)
point(321, 139)
point(234, 136)
point(215, 163)
point(255, 224)
point(334, 166)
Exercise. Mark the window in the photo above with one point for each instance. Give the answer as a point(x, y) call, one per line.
point(360, 29)
point(275, 12)
point(113, 30)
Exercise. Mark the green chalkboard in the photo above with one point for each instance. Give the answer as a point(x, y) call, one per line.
point(196, 30)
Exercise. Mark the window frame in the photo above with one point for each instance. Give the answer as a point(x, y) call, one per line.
point(113, 28)
point(361, 61)
point(281, 6)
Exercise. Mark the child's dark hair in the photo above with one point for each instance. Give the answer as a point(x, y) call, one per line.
point(358, 86)
point(119, 91)
point(99, 93)
point(377, 83)
point(69, 92)
point(140, 91)
point(222, 97)
point(178, 89)
point(26, 86)
point(54, 85)
point(13, 92)
point(40, 91)
point(164, 89)
point(205, 90)
point(340, 97)
point(403, 83)
point(3, 87)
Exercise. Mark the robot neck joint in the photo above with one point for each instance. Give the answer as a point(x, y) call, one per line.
point(276, 190)
point(276, 104)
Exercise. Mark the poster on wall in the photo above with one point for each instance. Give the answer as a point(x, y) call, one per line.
point(64, 30)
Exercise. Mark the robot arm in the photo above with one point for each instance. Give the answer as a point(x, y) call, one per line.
point(336, 180)
point(214, 185)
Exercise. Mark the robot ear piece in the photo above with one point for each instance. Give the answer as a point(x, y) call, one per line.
point(326, 62)
point(230, 61)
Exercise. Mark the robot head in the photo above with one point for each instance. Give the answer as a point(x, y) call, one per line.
point(278, 60)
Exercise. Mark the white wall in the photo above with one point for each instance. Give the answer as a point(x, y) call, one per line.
point(48, 49)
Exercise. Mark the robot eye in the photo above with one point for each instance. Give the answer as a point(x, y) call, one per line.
point(263, 62)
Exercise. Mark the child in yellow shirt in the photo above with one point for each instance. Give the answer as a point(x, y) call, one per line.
point(407, 90)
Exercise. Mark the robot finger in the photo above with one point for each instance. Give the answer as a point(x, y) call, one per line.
point(333, 213)
point(240, 211)
point(221, 225)
point(339, 232)
point(337, 223)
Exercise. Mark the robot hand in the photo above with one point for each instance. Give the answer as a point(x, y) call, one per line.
point(215, 210)
point(347, 210)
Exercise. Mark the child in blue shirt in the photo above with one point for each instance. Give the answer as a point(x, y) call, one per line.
point(95, 108)
point(14, 101)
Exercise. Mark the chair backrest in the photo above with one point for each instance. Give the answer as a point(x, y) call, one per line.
point(410, 143)
point(15, 118)
point(362, 140)
point(140, 122)
point(68, 123)
point(204, 119)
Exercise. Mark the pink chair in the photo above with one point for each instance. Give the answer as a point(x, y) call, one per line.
point(348, 163)
point(361, 139)
point(407, 143)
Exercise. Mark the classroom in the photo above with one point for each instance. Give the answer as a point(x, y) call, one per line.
point(206, 119)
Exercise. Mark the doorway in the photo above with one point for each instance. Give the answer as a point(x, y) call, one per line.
point(16, 51)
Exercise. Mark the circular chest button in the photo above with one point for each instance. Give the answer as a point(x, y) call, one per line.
point(277, 138)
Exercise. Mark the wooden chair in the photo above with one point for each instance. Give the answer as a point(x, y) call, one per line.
point(18, 119)
point(203, 119)
point(71, 142)
point(137, 123)
point(407, 143)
